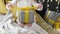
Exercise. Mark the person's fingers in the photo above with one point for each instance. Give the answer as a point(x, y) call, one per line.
point(22, 25)
point(9, 5)
point(39, 5)
point(28, 25)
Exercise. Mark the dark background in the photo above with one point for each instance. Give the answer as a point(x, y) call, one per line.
point(52, 7)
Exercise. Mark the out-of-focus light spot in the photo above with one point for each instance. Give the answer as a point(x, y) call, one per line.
point(39, 1)
point(47, 0)
point(56, 0)
point(56, 7)
point(50, 0)
point(47, 5)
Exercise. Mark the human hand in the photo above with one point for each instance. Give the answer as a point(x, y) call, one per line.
point(29, 25)
point(21, 25)
point(9, 5)
point(39, 6)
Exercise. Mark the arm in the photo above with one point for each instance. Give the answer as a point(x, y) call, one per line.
point(38, 5)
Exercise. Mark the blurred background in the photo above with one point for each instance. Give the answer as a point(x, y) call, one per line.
point(50, 14)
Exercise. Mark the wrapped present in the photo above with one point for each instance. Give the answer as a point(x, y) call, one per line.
point(27, 16)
